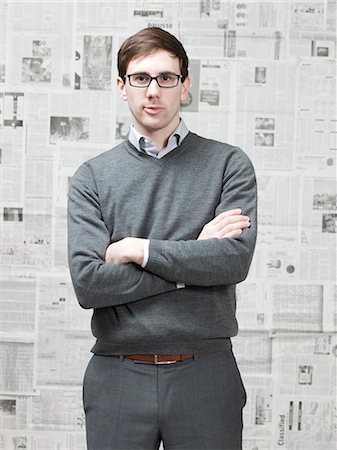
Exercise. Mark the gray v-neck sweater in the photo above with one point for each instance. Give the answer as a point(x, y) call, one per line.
point(123, 192)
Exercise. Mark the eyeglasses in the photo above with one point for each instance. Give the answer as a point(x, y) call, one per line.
point(164, 80)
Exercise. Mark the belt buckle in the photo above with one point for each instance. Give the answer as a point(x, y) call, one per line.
point(157, 363)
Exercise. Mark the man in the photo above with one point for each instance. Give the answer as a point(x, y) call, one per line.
point(161, 229)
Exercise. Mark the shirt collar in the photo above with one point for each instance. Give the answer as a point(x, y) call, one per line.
point(145, 144)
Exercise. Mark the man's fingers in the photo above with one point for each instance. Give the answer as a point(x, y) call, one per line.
point(227, 229)
point(233, 233)
point(226, 214)
point(234, 219)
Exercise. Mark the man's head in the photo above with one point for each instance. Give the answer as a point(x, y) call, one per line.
point(153, 79)
point(147, 41)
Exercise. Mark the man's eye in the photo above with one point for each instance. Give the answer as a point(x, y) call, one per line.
point(166, 77)
point(142, 78)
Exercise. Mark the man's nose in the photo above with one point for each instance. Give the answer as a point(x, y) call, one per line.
point(153, 89)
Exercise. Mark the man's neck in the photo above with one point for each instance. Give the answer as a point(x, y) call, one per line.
point(144, 143)
point(159, 137)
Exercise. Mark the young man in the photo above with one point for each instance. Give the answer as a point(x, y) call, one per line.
point(161, 229)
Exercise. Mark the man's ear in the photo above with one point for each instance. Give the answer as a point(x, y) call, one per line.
point(121, 88)
point(185, 88)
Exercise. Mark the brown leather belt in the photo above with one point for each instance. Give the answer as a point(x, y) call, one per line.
point(160, 359)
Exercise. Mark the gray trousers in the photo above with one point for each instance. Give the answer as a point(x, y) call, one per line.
point(191, 405)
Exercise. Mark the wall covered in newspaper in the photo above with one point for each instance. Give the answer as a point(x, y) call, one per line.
point(263, 78)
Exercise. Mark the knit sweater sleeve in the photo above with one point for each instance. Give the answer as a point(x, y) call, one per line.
point(214, 261)
point(99, 284)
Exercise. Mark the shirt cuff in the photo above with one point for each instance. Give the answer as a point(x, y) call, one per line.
point(146, 249)
point(146, 245)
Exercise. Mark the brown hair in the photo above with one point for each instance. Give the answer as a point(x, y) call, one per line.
point(147, 41)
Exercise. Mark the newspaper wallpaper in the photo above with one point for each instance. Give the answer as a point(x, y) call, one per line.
point(263, 78)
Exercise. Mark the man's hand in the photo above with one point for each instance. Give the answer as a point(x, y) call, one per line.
point(126, 250)
point(228, 224)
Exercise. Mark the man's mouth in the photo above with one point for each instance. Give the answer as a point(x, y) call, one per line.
point(153, 109)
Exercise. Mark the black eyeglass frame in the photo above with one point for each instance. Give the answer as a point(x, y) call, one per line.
point(179, 77)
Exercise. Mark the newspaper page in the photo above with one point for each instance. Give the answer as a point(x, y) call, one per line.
point(254, 309)
point(12, 111)
point(297, 307)
point(17, 308)
point(153, 13)
point(12, 164)
point(37, 124)
point(38, 185)
point(279, 264)
point(304, 422)
point(312, 371)
point(16, 367)
point(26, 196)
point(330, 308)
point(203, 28)
point(74, 118)
point(253, 352)
point(44, 440)
point(319, 209)
point(289, 265)
point(278, 209)
point(248, 43)
point(305, 390)
point(102, 14)
point(209, 96)
point(26, 238)
point(39, 43)
point(3, 42)
point(265, 96)
point(14, 411)
point(316, 111)
point(228, 28)
point(64, 335)
point(93, 58)
point(258, 412)
point(313, 29)
point(215, 76)
point(58, 409)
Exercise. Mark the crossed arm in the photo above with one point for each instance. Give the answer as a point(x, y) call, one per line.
point(228, 224)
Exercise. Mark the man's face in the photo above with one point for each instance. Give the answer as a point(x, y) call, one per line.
point(155, 109)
